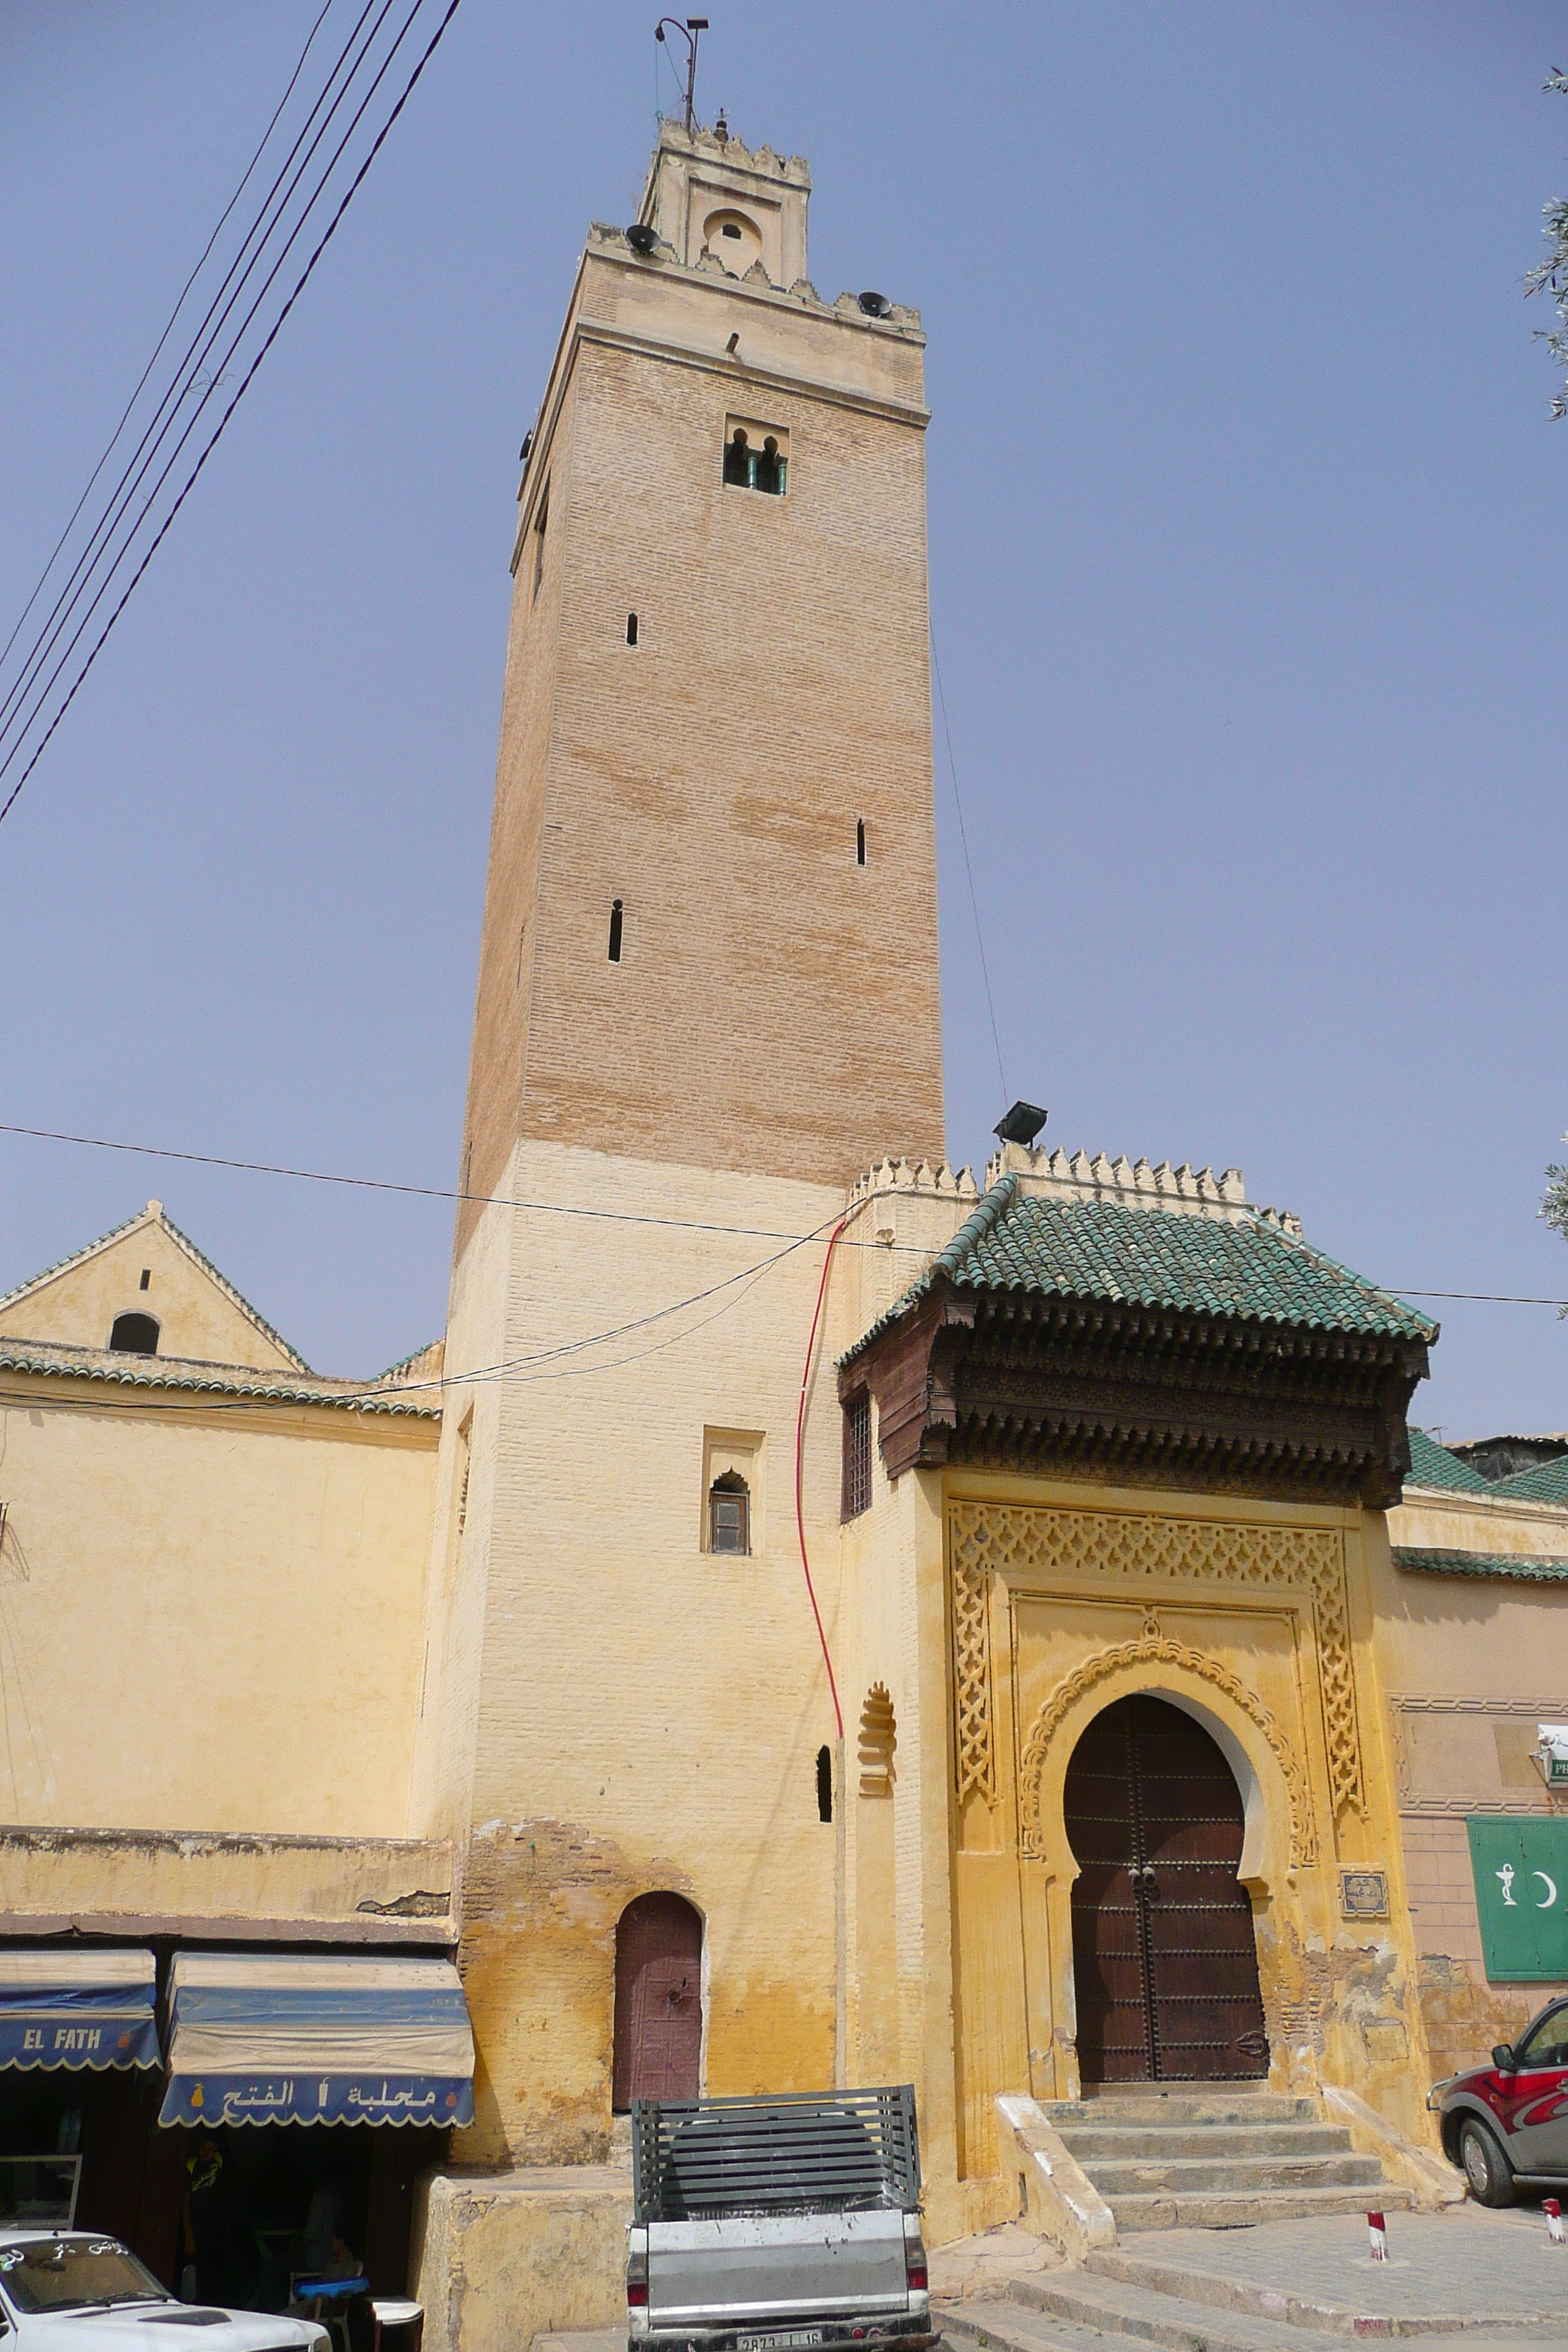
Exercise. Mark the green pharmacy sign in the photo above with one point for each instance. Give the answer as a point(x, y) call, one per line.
point(1520, 1867)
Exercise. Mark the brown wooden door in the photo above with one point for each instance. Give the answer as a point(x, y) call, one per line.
point(1163, 1954)
point(658, 2000)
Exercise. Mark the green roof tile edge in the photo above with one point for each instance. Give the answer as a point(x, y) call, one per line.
point(1527, 1567)
point(371, 1398)
point(1426, 1327)
point(975, 1228)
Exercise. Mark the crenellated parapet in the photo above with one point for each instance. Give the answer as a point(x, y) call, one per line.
point(1135, 1184)
point(902, 1176)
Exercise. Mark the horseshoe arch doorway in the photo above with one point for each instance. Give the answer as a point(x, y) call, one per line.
point(1164, 1959)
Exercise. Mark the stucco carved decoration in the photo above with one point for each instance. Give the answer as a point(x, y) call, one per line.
point(1156, 1649)
point(1024, 1540)
point(974, 1740)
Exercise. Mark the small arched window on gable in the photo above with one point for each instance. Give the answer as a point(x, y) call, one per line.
point(134, 1335)
point(730, 1514)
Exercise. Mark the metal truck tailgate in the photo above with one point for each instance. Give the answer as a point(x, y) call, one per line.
point(738, 2271)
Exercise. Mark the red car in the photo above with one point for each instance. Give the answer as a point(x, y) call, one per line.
point(1508, 2122)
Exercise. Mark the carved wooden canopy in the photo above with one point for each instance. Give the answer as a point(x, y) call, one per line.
point(1144, 1395)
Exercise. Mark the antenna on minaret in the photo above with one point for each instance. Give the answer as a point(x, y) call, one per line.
point(690, 30)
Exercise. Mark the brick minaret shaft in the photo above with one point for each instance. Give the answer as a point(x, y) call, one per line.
point(776, 1003)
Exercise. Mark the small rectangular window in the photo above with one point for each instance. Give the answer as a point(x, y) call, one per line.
point(616, 932)
point(631, 628)
point(857, 1455)
point(859, 841)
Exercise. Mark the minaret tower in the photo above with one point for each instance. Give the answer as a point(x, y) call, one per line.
point(708, 998)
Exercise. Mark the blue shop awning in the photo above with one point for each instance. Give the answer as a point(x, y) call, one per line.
point(328, 2041)
point(77, 2008)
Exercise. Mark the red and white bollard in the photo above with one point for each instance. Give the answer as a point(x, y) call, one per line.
point(1379, 2235)
point(1554, 2212)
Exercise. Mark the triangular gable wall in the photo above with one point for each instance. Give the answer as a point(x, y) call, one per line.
point(146, 1266)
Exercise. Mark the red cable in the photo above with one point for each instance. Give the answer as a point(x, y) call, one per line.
point(799, 1448)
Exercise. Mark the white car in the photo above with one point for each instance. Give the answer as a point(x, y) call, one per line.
point(75, 2291)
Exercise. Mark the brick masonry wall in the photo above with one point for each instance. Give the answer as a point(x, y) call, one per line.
point(777, 1005)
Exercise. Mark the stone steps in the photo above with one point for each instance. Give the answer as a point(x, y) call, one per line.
point(1125, 2144)
point(1215, 2158)
point(1185, 2174)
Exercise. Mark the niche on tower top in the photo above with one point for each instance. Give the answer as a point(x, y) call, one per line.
point(711, 197)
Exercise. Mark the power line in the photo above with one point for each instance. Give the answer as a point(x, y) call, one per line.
point(168, 331)
point(610, 1216)
point(187, 374)
point(442, 1191)
point(968, 868)
point(245, 385)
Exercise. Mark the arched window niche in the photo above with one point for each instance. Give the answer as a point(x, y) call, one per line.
point(134, 1335)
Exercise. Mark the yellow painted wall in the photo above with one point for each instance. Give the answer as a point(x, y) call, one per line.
point(626, 1711)
point(211, 1612)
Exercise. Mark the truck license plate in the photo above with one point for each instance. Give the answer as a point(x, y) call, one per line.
point(787, 2342)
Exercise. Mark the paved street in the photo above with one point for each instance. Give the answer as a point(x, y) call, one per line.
point(1279, 2287)
point(1465, 2264)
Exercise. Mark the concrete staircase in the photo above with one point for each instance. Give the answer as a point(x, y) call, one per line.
point(1216, 2159)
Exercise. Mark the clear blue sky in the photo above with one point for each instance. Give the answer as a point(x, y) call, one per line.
point(1246, 570)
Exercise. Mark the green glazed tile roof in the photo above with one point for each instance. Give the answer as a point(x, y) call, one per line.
point(1527, 1567)
point(1195, 1264)
point(1547, 1483)
point(1432, 1465)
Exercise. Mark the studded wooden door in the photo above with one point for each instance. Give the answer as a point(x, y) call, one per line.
point(1164, 1959)
point(658, 2001)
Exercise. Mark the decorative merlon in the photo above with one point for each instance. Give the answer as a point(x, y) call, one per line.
point(899, 1176)
point(604, 234)
point(1134, 1184)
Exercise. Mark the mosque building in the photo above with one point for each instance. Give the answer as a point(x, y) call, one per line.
point(816, 1617)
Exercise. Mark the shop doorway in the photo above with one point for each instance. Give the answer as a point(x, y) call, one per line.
point(1164, 1959)
point(658, 2001)
point(268, 2209)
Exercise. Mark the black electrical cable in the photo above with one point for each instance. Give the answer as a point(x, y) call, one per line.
point(185, 375)
point(245, 385)
point(168, 331)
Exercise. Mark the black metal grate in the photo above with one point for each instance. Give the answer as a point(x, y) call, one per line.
point(807, 2152)
point(857, 1456)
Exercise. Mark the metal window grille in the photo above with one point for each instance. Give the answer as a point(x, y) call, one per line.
point(857, 1456)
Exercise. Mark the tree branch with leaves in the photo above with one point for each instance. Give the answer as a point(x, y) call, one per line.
point(1551, 276)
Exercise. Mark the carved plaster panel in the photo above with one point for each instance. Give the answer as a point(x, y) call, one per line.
point(974, 1741)
point(1449, 1758)
point(1021, 1541)
point(1156, 1649)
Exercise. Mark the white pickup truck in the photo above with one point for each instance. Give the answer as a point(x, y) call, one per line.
point(777, 2224)
point(73, 2291)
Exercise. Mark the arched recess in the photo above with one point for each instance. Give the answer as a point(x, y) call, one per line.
point(1165, 1954)
point(658, 2001)
point(1280, 1826)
